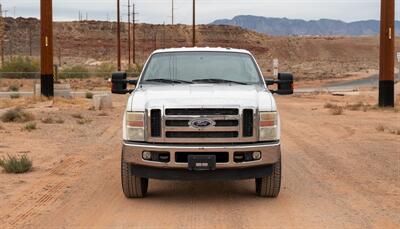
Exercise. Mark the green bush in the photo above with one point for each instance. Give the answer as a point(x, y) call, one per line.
point(15, 96)
point(17, 115)
point(14, 164)
point(13, 87)
point(20, 67)
point(30, 126)
point(89, 95)
point(78, 71)
point(105, 70)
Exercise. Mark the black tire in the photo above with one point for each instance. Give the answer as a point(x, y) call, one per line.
point(133, 186)
point(270, 186)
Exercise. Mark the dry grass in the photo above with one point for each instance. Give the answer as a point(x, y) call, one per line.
point(83, 121)
point(17, 115)
point(15, 96)
point(47, 120)
point(77, 116)
point(382, 128)
point(338, 110)
point(89, 95)
point(14, 164)
point(30, 126)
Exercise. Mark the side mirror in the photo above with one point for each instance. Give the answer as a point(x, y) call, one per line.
point(120, 83)
point(284, 82)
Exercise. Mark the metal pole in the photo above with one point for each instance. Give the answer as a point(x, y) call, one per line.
point(129, 34)
point(134, 34)
point(387, 47)
point(46, 41)
point(118, 36)
point(172, 12)
point(194, 23)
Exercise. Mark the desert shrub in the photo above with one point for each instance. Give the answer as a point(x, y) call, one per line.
point(83, 121)
point(59, 120)
point(77, 71)
point(105, 70)
point(135, 71)
point(329, 105)
point(17, 115)
point(15, 96)
point(13, 87)
point(77, 116)
point(380, 128)
point(14, 164)
point(48, 120)
point(20, 67)
point(336, 110)
point(89, 95)
point(30, 126)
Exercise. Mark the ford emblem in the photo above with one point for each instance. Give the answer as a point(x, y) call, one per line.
point(201, 123)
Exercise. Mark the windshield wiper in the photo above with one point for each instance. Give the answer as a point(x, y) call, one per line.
point(167, 81)
point(211, 80)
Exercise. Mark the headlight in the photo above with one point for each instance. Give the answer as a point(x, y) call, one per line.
point(268, 126)
point(135, 126)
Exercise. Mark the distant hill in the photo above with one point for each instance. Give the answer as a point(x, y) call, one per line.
point(323, 27)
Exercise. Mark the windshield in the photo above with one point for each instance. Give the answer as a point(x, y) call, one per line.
point(201, 67)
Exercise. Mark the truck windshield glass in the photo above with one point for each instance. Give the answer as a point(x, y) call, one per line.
point(201, 67)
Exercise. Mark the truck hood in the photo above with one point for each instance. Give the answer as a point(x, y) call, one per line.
point(200, 95)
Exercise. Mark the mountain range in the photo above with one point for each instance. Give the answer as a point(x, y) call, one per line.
point(322, 27)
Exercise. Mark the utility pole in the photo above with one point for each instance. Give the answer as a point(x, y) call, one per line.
point(134, 33)
point(118, 36)
point(2, 34)
point(173, 9)
point(194, 23)
point(387, 49)
point(129, 34)
point(46, 41)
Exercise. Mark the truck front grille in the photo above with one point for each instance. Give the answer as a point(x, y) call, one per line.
point(155, 123)
point(199, 134)
point(173, 125)
point(201, 111)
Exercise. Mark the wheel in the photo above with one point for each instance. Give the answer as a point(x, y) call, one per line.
point(269, 186)
point(133, 186)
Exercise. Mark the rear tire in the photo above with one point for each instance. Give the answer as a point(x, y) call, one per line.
point(269, 186)
point(133, 186)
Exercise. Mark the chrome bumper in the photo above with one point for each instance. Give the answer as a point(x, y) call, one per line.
point(271, 152)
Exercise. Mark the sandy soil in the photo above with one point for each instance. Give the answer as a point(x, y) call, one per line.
point(339, 172)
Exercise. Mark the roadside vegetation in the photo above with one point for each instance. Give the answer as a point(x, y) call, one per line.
point(78, 71)
point(16, 164)
point(384, 129)
point(20, 67)
point(30, 126)
point(17, 115)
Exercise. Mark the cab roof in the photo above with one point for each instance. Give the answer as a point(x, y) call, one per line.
point(202, 49)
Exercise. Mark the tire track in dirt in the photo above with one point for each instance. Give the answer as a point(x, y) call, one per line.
point(47, 192)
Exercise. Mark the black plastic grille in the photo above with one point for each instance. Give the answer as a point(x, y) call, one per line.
point(155, 123)
point(248, 123)
point(185, 123)
point(225, 134)
point(200, 111)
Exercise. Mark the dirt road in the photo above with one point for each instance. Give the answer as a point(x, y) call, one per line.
point(339, 171)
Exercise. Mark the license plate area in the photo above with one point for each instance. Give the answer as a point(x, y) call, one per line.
point(202, 162)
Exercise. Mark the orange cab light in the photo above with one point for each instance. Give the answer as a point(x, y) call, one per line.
point(267, 123)
point(136, 123)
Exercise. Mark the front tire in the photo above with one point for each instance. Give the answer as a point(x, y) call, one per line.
point(269, 186)
point(133, 186)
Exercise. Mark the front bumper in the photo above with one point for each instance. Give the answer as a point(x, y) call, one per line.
point(132, 153)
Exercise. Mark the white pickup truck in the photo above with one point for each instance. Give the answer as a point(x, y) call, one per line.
point(201, 113)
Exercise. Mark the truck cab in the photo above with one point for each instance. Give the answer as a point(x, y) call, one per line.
point(201, 114)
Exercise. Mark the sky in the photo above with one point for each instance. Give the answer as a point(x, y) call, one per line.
point(159, 11)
